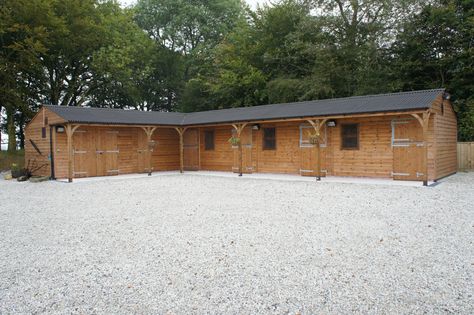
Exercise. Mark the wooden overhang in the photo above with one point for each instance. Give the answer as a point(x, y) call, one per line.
point(316, 113)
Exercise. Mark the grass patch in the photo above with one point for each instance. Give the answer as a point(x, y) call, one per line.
point(7, 159)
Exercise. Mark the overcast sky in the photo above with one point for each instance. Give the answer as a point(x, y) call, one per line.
point(253, 3)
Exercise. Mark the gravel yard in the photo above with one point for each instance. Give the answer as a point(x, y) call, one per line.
point(183, 244)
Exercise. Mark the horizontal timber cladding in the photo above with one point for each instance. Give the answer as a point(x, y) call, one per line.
point(165, 155)
point(445, 135)
point(38, 161)
point(101, 151)
point(221, 158)
point(286, 157)
point(112, 150)
point(375, 155)
point(373, 158)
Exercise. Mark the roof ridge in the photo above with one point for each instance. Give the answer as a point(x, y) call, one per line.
point(351, 104)
point(325, 100)
point(107, 109)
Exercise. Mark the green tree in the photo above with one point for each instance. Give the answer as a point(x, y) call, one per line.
point(189, 30)
point(435, 50)
point(22, 37)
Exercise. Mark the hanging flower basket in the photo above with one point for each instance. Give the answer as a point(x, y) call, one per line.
point(313, 138)
point(234, 141)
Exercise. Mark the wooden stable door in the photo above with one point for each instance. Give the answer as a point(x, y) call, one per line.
point(408, 149)
point(107, 152)
point(191, 150)
point(143, 152)
point(247, 145)
point(84, 164)
point(309, 154)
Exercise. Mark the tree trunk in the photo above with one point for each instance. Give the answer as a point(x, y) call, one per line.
point(21, 133)
point(11, 130)
point(1, 118)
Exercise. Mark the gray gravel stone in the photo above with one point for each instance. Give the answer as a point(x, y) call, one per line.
point(184, 244)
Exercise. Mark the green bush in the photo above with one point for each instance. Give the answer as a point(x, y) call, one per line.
point(12, 160)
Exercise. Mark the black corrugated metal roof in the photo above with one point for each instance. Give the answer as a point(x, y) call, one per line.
point(393, 102)
point(93, 115)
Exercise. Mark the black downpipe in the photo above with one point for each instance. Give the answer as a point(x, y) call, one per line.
point(51, 151)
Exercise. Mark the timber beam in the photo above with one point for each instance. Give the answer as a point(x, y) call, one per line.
point(424, 120)
point(181, 131)
point(239, 128)
point(317, 124)
point(70, 129)
point(149, 134)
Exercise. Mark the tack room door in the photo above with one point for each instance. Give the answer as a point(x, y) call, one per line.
point(107, 152)
point(191, 150)
point(84, 153)
point(308, 152)
point(408, 149)
point(247, 145)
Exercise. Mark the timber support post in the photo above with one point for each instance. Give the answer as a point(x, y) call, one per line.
point(424, 120)
point(317, 124)
point(70, 129)
point(181, 131)
point(239, 128)
point(149, 133)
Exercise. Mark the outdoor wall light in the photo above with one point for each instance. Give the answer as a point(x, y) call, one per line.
point(331, 123)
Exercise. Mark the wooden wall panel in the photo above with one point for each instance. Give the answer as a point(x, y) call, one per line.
point(445, 134)
point(465, 155)
point(128, 149)
point(222, 157)
point(40, 163)
point(286, 158)
point(374, 158)
point(60, 155)
point(165, 155)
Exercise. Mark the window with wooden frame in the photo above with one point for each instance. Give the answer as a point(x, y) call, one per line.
point(269, 138)
point(350, 136)
point(43, 129)
point(209, 140)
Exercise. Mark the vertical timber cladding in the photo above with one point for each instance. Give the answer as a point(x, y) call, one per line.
point(308, 151)
point(95, 152)
point(191, 149)
point(246, 138)
point(84, 153)
point(408, 149)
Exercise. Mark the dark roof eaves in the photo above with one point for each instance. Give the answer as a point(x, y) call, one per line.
point(307, 117)
point(182, 121)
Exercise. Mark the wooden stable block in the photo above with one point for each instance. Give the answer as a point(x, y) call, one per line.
point(97, 150)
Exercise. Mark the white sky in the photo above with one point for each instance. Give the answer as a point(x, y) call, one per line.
point(252, 3)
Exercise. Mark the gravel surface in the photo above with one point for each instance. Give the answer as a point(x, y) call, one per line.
point(183, 244)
